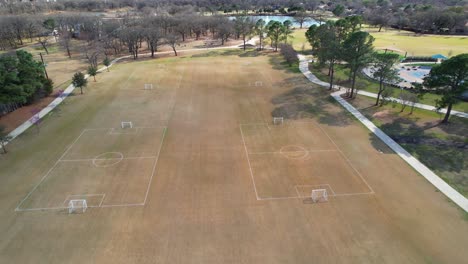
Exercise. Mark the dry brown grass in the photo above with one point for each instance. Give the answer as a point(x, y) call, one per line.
point(201, 205)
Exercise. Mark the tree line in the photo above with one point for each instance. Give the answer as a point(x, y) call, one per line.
point(22, 81)
point(425, 16)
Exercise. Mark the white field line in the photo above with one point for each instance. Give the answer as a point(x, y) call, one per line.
point(91, 206)
point(48, 172)
point(128, 158)
point(302, 197)
point(347, 160)
point(248, 161)
point(293, 152)
point(18, 209)
point(433, 178)
point(154, 166)
point(102, 200)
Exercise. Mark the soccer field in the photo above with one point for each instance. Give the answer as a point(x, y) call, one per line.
point(202, 174)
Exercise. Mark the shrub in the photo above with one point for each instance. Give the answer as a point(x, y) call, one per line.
point(289, 54)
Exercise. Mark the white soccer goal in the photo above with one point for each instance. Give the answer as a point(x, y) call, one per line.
point(127, 124)
point(258, 83)
point(148, 86)
point(78, 206)
point(319, 195)
point(278, 120)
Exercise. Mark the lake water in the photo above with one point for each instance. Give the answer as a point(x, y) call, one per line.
point(309, 22)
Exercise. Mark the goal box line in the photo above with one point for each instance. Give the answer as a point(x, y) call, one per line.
point(46, 175)
point(291, 123)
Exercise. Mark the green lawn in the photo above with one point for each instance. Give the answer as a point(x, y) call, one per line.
point(440, 147)
point(363, 83)
point(299, 41)
point(403, 41)
point(417, 44)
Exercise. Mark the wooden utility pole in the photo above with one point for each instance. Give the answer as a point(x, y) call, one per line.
point(43, 65)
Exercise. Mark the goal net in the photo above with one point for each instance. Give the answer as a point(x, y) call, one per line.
point(148, 86)
point(319, 195)
point(277, 120)
point(127, 125)
point(77, 206)
point(258, 83)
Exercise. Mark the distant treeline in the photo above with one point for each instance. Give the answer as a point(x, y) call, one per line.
point(425, 16)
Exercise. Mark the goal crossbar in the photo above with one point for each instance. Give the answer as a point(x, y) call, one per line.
point(77, 205)
point(126, 124)
point(278, 120)
point(319, 195)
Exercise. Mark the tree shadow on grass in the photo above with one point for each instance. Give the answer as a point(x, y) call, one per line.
point(278, 63)
point(457, 126)
point(443, 155)
point(307, 101)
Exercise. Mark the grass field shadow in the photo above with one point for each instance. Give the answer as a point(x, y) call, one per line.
point(306, 101)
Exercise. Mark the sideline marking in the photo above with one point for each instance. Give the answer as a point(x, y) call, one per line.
point(248, 161)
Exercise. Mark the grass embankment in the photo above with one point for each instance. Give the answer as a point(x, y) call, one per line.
point(443, 148)
point(365, 84)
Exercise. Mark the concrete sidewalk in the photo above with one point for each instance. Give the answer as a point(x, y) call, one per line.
point(435, 180)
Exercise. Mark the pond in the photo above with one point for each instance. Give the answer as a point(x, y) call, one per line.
point(309, 22)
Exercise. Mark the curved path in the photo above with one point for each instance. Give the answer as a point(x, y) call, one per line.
point(315, 80)
point(435, 180)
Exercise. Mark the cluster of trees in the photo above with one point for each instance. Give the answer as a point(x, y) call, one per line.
point(16, 29)
point(341, 40)
point(449, 79)
point(422, 18)
point(22, 81)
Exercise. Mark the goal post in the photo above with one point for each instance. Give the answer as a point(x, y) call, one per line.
point(258, 83)
point(278, 120)
point(126, 124)
point(319, 195)
point(148, 86)
point(77, 206)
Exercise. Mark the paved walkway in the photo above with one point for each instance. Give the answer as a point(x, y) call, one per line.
point(303, 63)
point(435, 180)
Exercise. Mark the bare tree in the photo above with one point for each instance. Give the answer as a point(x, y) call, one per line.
point(43, 39)
point(65, 41)
point(173, 40)
point(301, 17)
point(244, 27)
point(225, 30)
point(154, 37)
